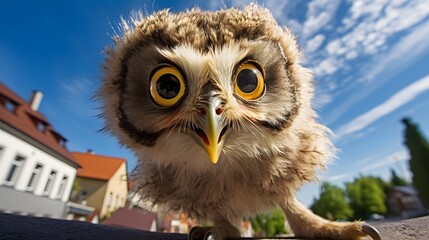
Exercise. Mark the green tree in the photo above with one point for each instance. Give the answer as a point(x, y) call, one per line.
point(332, 204)
point(418, 147)
point(397, 180)
point(76, 186)
point(269, 224)
point(385, 186)
point(366, 197)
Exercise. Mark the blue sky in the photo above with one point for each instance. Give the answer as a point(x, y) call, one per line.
point(370, 60)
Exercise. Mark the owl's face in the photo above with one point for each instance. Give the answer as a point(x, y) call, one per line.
point(200, 86)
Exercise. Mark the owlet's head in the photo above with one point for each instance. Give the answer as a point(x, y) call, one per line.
point(204, 86)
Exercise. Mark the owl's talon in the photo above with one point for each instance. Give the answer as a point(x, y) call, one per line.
point(198, 233)
point(371, 231)
point(209, 235)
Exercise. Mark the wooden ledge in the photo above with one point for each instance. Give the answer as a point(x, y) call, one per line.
point(25, 227)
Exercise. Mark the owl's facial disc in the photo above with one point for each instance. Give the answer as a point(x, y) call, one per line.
point(210, 132)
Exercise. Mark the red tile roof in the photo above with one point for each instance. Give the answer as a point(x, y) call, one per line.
point(131, 218)
point(97, 166)
point(26, 121)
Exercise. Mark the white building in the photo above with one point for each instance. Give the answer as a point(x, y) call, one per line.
point(36, 170)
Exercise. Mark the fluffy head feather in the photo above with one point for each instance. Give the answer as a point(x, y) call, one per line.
point(273, 143)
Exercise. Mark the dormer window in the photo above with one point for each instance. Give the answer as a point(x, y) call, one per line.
point(11, 106)
point(61, 140)
point(41, 126)
point(38, 123)
point(8, 104)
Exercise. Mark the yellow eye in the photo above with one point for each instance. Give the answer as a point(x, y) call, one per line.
point(167, 86)
point(249, 81)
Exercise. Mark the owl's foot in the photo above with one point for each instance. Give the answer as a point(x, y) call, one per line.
point(306, 224)
point(213, 233)
point(198, 233)
point(371, 231)
point(342, 230)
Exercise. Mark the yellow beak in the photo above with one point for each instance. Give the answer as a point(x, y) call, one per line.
point(210, 134)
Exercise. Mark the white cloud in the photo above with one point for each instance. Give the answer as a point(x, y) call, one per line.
point(327, 66)
point(77, 86)
point(321, 99)
point(339, 177)
point(319, 15)
point(80, 92)
point(394, 102)
point(217, 4)
point(295, 26)
point(281, 9)
point(314, 43)
point(388, 160)
point(408, 48)
point(335, 48)
point(214, 5)
point(366, 29)
point(365, 161)
point(315, 23)
point(384, 67)
point(354, 136)
point(352, 55)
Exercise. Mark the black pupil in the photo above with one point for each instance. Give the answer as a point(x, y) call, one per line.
point(247, 80)
point(168, 86)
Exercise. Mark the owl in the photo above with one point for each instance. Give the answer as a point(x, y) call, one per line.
point(217, 108)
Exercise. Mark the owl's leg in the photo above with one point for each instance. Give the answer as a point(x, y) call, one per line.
point(222, 229)
point(305, 223)
point(198, 233)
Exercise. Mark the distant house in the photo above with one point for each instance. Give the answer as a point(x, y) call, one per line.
point(81, 212)
point(405, 202)
point(166, 221)
point(102, 182)
point(133, 218)
point(36, 169)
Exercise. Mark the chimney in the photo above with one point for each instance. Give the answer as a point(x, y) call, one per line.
point(90, 151)
point(36, 98)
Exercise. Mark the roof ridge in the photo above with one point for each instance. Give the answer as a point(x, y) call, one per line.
point(98, 166)
point(99, 155)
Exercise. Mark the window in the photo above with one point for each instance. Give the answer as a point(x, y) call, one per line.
point(41, 126)
point(11, 106)
point(1, 152)
point(62, 187)
point(116, 201)
point(14, 170)
point(34, 177)
point(109, 200)
point(62, 142)
point(48, 186)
